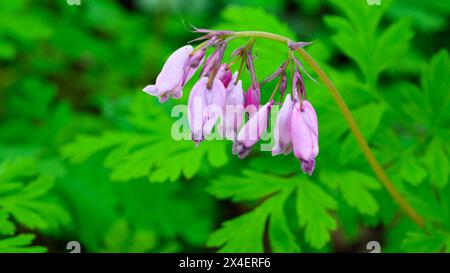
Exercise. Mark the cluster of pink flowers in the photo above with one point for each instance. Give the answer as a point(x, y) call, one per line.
point(218, 99)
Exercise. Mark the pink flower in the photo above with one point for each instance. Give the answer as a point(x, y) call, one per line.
point(304, 133)
point(253, 97)
point(234, 109)
point(282, 133)
point(178, 69)
point(252, 131)
point(252, 101)
point(205, 106)
point(224, 75)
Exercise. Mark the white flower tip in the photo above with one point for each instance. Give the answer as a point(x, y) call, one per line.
point(151, 89)
point(276, 150)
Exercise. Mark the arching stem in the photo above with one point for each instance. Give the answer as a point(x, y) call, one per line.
point(373, 162)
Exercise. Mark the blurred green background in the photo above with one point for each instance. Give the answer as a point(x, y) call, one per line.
point(86, 156)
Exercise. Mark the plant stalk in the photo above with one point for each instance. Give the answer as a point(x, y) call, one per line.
point(373, 162)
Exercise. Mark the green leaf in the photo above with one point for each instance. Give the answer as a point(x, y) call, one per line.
point(355, 188)
point(190, 209)
point(28, 202)
point(426, 243)
point(357, 37)
point(411, 170)
point(437, 162)
point(251, 185)
point(246, 232)
point(15, 169)
point(428, 16)
point(242, 234)
point(392, 44)
point(121, 238)
point(151, 151)
point(430, 203)
point(435, 85)
point(282, 239)
point(368, 118)
point(25, 197)
point(313, 205)
point(85, 146)
point(93, 202)
point(6, 226)
point(20, 244)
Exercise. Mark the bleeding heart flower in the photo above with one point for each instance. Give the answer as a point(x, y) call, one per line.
point(234, 110)
point(252, 131)
point(282, 133)
point(304, 133)
point(224, 75)
point(178, 69)
point(252, 100)
point(205, 106)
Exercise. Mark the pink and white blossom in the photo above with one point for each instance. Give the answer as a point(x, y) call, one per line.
point(252, 131)
point(205, 106)
point(178, 69)
point(305, 135)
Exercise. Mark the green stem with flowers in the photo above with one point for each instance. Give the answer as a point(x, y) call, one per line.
point(373, 162)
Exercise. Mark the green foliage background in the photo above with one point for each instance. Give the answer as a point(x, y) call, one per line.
point(86, 156)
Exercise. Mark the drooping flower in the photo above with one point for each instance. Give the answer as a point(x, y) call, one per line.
point(253, 97)
point(304, 133)
point(252, 131)
point(234, 109)
point(282, 130)
point(224, 75)
point(205, 106)
point(252, 100)
point(178, 69)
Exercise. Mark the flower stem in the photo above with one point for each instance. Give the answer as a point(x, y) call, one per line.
point(373, 162)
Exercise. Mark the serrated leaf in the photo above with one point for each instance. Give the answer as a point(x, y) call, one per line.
point(6, 226)
point(241, 234)
point(121, 238)
point(11, 169)
point(426, 243)
point(357, 37)
point(438, 164)
point(190, 209)
point(152, 153)
point(28, 202)
point(85, 146)
point(411, 170)
point(313, 205)
point(20, 244)
point(368, 118)
point(428, 16)
point(435, 85)
point(355, 187)
point(391, 44)
point(282, 239)
point(251, 185)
